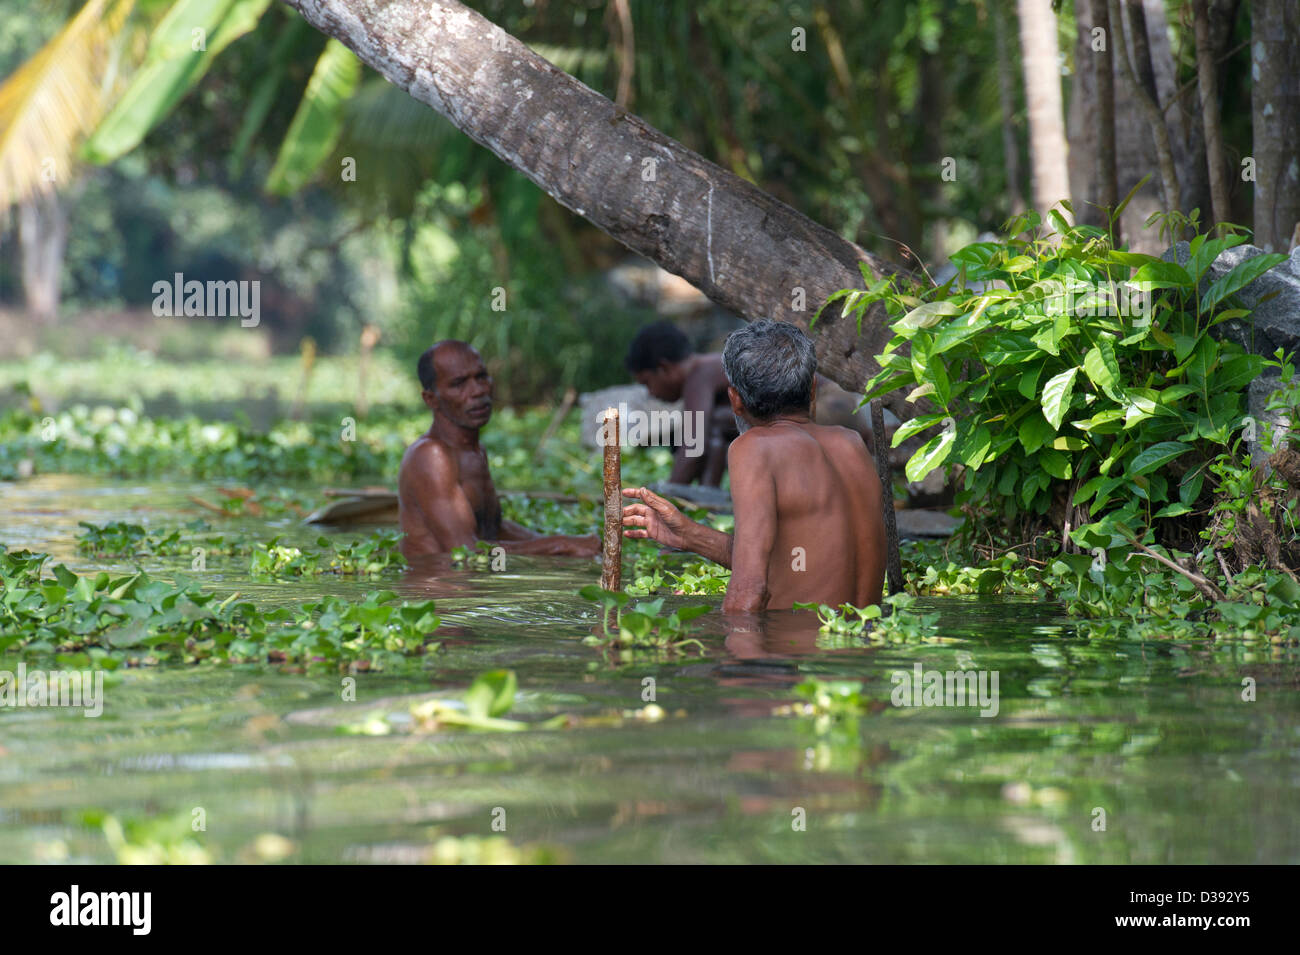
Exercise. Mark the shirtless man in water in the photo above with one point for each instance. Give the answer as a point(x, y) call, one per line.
point(809, 527)
point(446, 497)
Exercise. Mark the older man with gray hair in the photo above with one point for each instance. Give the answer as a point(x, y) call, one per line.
point(809, 527)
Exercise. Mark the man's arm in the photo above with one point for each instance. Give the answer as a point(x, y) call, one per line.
point(517, 539)
point(753, 493)
point(432, 480)
point(657, 519)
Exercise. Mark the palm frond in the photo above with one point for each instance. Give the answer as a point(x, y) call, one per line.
point(55, 99)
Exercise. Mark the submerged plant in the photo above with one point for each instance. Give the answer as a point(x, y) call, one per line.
point(108, 621)
point(642, 625)
point(367, 557)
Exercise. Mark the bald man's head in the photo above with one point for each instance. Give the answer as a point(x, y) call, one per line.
point(456, 384)
point(427, 367)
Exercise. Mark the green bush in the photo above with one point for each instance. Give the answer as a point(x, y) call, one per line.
point(1069, 379)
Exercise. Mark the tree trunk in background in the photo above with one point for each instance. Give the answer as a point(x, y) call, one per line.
point(42, 240)
point(1207, 77)
point(1107, 192)
point(1047, 148)
point(1275, 113)
point(1142, 36)
point(1007, 102)
point(744, 249)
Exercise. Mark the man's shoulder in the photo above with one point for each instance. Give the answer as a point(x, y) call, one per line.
point(427, 454)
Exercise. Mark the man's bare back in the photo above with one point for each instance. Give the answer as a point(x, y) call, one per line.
point(809, 527)
point(808, 502)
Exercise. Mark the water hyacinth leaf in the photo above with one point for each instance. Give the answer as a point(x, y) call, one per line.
point(687, 614)
point(1056, 396)
point(1157, 456)
point(491, 694)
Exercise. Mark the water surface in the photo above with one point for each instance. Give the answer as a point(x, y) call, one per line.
point(1154, 734)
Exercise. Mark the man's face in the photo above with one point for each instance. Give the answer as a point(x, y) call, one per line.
point(664, 382)
point(462, 392)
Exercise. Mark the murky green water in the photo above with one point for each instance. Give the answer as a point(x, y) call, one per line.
point(1156, 735)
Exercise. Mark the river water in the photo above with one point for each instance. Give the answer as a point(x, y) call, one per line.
point(1101, 751)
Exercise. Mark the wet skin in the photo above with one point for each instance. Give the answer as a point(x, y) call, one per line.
point(795, 485)
point(446, 497)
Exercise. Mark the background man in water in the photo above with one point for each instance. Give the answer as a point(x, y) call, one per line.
point(660, 357)
point(446, 497)
point(809, 527)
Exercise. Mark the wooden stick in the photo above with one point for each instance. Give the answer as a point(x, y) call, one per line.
point(1205, 586)
point(894, 560)
point(611, 573)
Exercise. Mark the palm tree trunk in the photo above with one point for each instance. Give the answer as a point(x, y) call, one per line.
point(42, 240)
point(1047, 149)
point(744, 249)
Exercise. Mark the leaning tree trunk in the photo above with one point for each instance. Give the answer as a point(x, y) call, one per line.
point(1047, 150)
point(1275, 109)
point(741, 247)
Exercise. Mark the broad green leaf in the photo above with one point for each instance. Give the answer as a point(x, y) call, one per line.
point(1157, 456)
point(1203, 361)
point(1237, 372)
point(973, 449)
point(1103, 422)
point(931, 454)
point(915, 426)
point(172, 67)
point(928, 314)
point(1103, 368)
point(1055, 463)
point(1172, 510)
point(1056, 396)
point(1162, 275)
point(1242, 274)
point(1028, 384)
point(319, 120)
point(1204, 254)
point(1034, 432)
